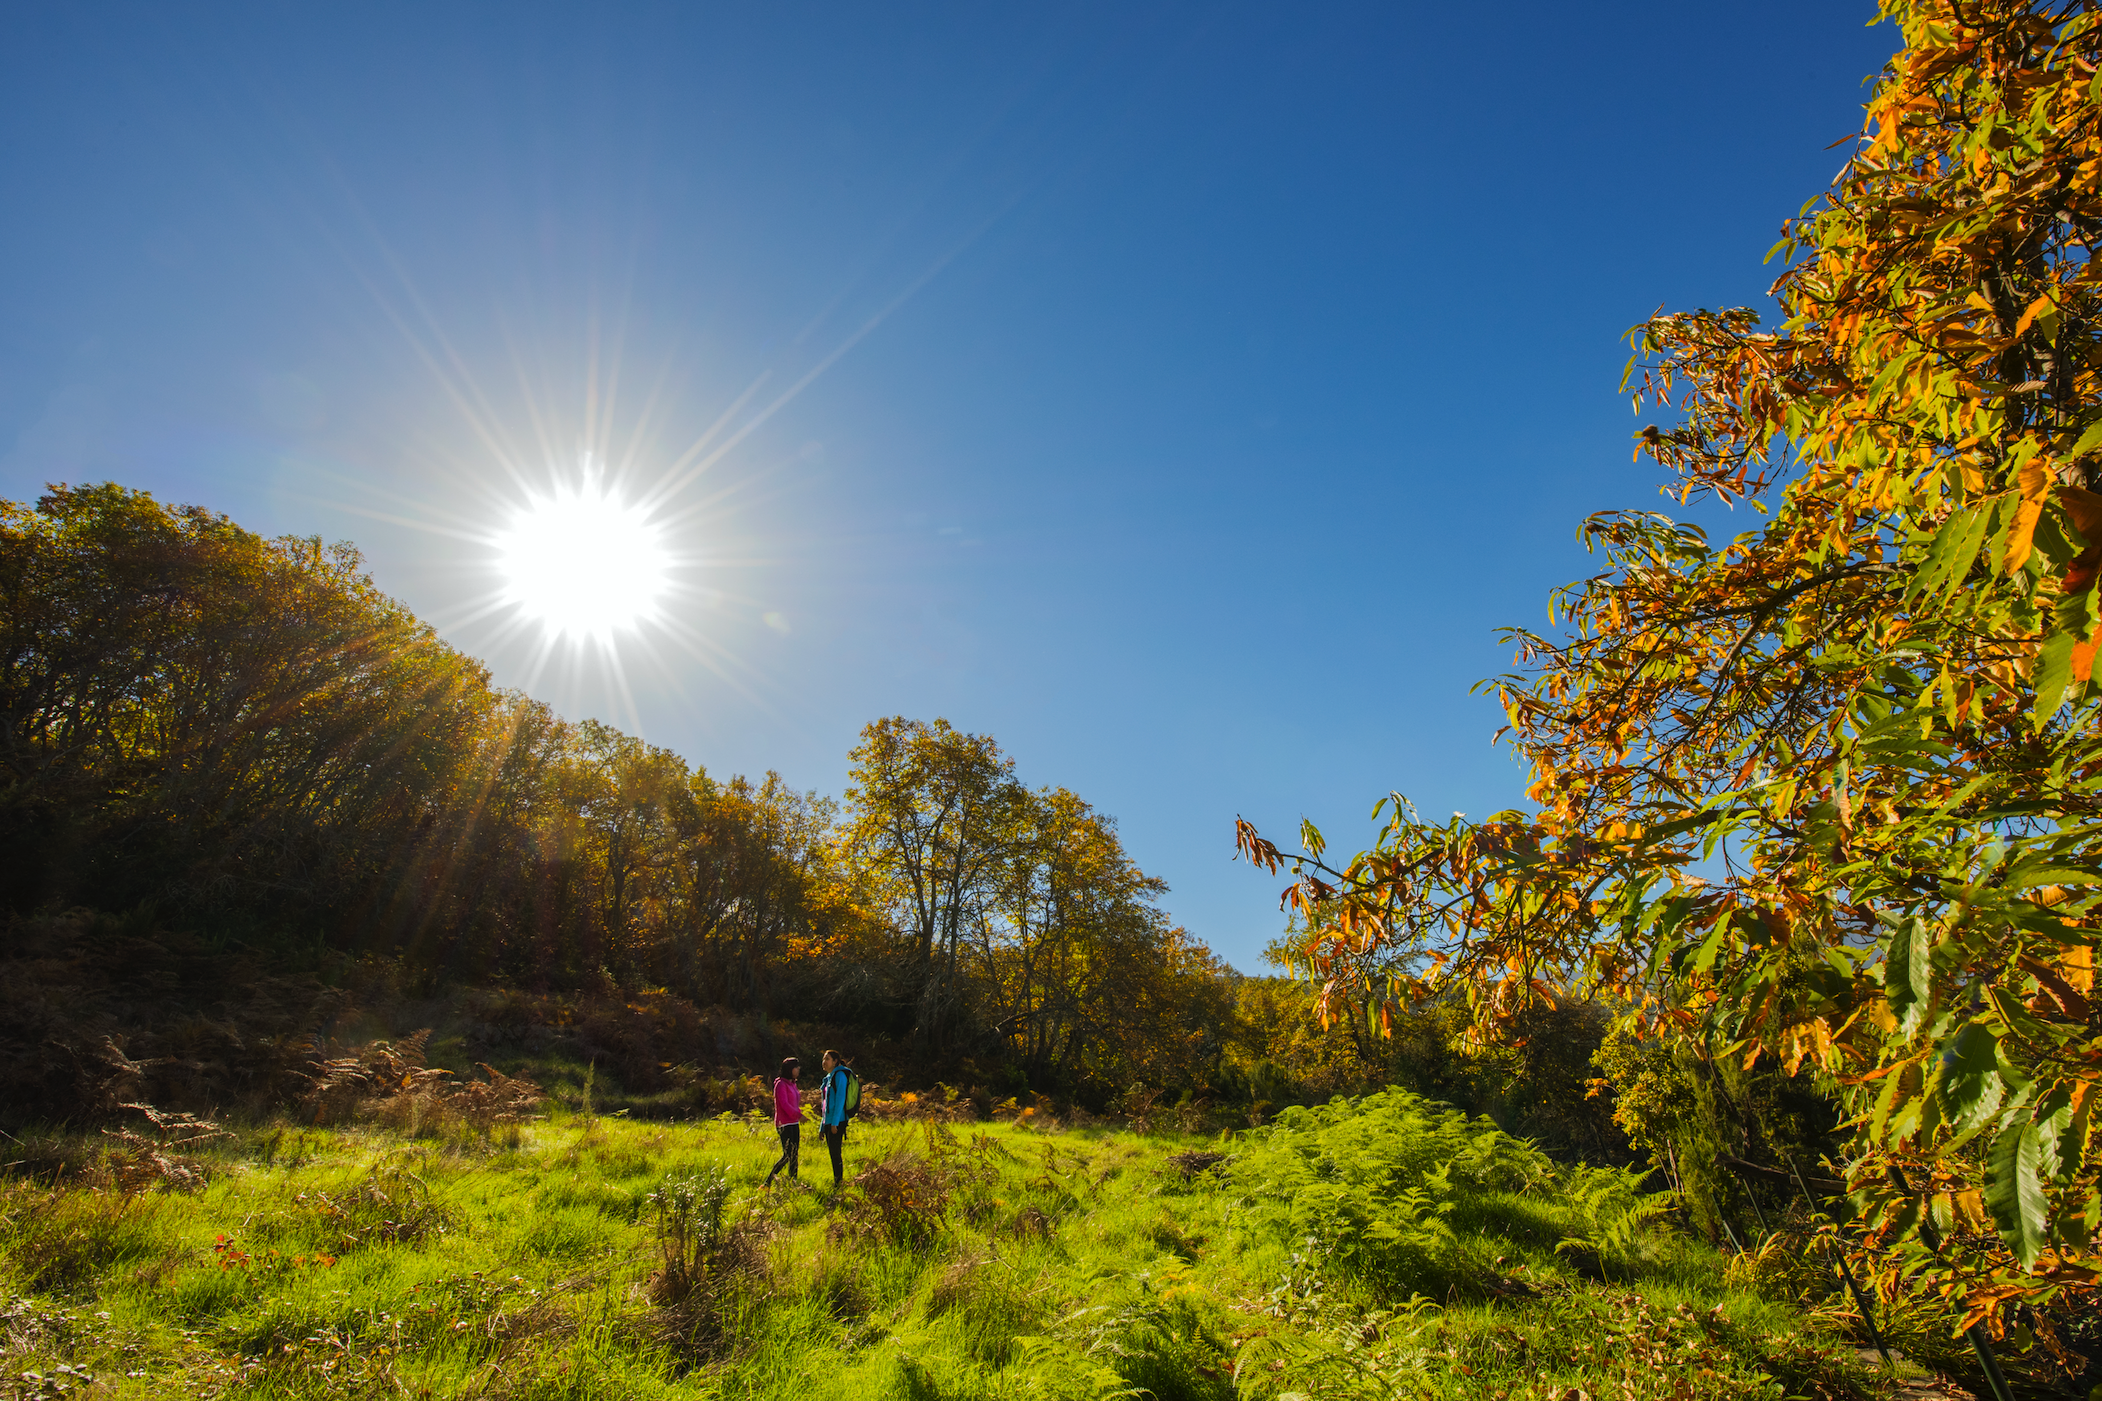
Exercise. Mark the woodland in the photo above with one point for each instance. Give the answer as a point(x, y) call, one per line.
point(1756, 1055)
point(228, 750)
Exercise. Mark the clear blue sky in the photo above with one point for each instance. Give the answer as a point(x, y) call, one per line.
point(1216, 378)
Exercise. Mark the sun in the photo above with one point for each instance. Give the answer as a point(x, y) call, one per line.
point(583, 564)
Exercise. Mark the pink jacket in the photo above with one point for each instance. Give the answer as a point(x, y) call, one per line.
point(788, 1104)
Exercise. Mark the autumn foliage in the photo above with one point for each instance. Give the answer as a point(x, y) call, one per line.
point(1830, 794)
point(213, 743)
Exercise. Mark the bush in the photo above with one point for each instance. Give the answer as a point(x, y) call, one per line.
point(703, 1260)
point(143, 1159)
point(991, 1307)
point(904, 1200)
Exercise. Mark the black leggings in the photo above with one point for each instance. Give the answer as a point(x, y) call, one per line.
point(835, 1136)
point(791, 1150)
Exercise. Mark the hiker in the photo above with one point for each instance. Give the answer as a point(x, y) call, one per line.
point(788, 1118)
point(838, 1096)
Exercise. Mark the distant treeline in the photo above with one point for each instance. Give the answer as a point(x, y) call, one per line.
point(248, 740)
point(243, 743)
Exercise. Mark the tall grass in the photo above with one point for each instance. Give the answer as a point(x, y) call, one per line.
point(1385, 1243)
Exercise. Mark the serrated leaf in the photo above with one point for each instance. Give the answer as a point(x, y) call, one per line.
point(2035, 484)
point(2054, 1115)
point(1310, 837)
point(1908, 973)
point(2072, 1140)
point(1953, 549)
point(2014, 1193)
point(1897, 1107)
point(2054, 672)
point(2025, 876)
point(1704, 956)
point(1971, 1088)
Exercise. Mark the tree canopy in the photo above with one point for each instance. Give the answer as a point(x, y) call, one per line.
point(1829, 794)
point(245, 737)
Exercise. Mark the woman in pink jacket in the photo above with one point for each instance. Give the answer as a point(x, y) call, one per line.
point(788, 1118)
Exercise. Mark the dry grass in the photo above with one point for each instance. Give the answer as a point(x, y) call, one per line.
point(391, 1082)
point(165, 1155)
point(56, 1240)
point(903, 1200)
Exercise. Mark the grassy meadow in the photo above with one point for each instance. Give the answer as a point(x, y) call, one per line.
point(1383, 1247)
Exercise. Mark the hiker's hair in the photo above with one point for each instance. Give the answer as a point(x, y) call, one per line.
point(835, 1057)
point(790, 1066)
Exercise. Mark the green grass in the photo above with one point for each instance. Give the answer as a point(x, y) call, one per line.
point(970, 1261)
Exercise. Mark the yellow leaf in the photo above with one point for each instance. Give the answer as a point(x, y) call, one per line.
point(2036, 308)
point(2021, 535)
point(2079, 968)
point(2034, 479)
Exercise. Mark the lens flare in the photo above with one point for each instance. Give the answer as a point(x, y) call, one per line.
point(583, 563)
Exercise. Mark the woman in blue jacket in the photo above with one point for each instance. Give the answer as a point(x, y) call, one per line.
point(832, 1112)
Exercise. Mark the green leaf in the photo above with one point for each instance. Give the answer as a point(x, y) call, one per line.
point(1310, 838)
point(1897, 1112)
point(2014, 1192)
point(1970, 1079)
point(2054, 672)
point(2026, 876)
point(1908, 973)
point(2076, 612)
point(1704, 956)
point(2088, 441)
point(1950, 553)
point(2054, 1116)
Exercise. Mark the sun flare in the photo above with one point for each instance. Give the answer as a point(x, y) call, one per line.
point(583, 563)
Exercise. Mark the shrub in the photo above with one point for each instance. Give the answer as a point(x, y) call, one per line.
point(703, 1259)
point(1195, 1161)
point(904, 1200)
point(1153, 1334)
point(837, 1282)
point(389, 1206)
point(991, 1307)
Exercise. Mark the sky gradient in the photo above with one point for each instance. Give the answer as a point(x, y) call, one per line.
point(1182, 394)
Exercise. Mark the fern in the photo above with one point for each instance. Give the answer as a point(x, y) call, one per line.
point(1372, 1187)
point(1610, 1213)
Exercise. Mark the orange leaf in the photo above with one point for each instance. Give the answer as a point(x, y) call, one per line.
point(2070, 1002)
point(2086, 510)
point(2036, 308)
point(2021, 535)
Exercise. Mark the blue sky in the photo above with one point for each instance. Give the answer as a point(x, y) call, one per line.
point(1183, 394)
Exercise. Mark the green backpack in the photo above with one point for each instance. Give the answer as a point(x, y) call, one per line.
point(850, 1094)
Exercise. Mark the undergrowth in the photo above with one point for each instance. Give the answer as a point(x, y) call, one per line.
point(1373, 1248)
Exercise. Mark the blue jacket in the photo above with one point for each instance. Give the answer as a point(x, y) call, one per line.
point(832, 1098)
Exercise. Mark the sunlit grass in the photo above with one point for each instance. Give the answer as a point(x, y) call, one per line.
point(353, 1263)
